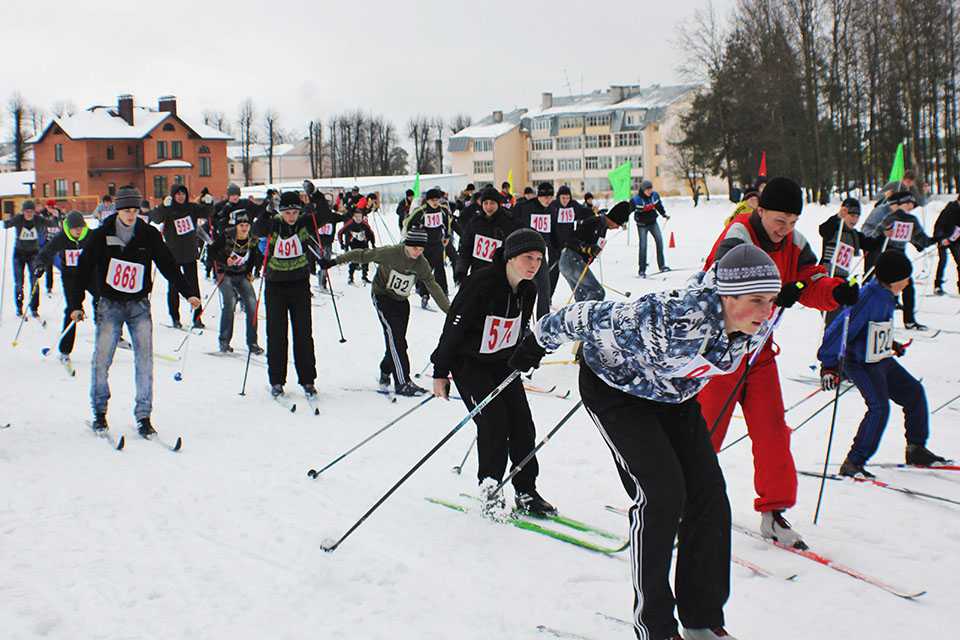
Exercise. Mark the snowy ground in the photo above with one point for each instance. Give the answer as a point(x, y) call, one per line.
point(223, 539)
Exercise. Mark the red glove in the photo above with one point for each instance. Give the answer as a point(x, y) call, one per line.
point(901, 348)
point(647, 208)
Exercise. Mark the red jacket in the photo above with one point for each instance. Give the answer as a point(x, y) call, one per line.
point(793, 257)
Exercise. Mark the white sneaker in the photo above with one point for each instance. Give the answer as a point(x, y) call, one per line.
point(774, 526)
point(493, 504)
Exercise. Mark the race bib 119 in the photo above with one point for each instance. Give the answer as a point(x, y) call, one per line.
point(287, 248)
point(879, 341)
point(183, 225)
point(565, 215)
point(540, 222)
point(499, 333)
point(484, 247)
point(123, 276)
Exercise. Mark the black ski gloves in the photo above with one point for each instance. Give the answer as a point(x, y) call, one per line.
point(527, 355)
point(846, 294)
point(789, 294)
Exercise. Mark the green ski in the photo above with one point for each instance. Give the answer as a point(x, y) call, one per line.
point(562, 520)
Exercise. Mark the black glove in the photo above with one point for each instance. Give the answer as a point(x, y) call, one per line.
point(899, 349)
point(829, 378)
point(527, 355)
point(326, 263)
point(789, 295)
point(459, 277)
point(846, 293)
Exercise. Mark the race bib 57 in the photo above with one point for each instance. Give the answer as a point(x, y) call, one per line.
point(499, 333)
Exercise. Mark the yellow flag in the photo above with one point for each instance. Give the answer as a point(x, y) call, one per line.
point(510, 179)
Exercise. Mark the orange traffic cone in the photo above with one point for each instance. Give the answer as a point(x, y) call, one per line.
point(673, 243)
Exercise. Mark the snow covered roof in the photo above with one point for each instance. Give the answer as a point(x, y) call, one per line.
point(487, 130)
point(652, 97)
point(104, 123)
point(170, 164)
point(235, 151)
point(9, 158)
point(13, 183)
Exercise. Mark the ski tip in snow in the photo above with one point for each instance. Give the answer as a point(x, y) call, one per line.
point(312, 474)
point(178, 444)
point(122, 441)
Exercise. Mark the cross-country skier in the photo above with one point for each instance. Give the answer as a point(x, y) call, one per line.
point(771, 228)
point(433, 218)
point(947, 226)
point(533, 213)
point(235, 253)
point(642, 366)
point(487, 318)
point(564, 211)
point(878, 376)
point(482, 235)
point(29, 229)
point(53, 218)
point(581, 248)
point(399, 267)
point(117, 263)
point(357, 234)
point(647, 207)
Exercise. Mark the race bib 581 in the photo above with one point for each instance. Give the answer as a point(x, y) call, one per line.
point(124, 276)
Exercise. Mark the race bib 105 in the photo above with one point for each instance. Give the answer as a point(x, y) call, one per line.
point(565, 215)
point(540, 222)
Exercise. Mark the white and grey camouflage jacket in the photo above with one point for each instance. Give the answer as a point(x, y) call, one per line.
point(663, 346)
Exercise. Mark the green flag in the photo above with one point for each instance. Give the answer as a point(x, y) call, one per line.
point(896, 171)
point(416, 188)
point(620, 181)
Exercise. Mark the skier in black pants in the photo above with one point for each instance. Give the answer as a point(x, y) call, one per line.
point(534, 213)
point(30, 230)
point(434, 219)
point(488, 316)
point(947, 226)
point(357, 234)
point(564, 211)
point(180, 219)
point(235, 253)
point(324, 223)
point(287, 293)
point(642, 366)
point(482, 235)
point(64, 250)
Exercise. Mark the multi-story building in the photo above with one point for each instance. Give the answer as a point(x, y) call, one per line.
point(577, 140)
point(291, 162)
point(79, 158)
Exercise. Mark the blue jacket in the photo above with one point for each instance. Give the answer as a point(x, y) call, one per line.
point(876, 304)
point(645, 209)
point(663, 346)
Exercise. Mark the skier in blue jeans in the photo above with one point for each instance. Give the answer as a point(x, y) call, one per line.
point(878, 377)
point(116, 262)
point(647, 205)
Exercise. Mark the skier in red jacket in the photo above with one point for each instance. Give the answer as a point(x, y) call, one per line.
point(771, 227)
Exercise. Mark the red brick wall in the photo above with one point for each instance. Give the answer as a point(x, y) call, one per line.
point(48, 170)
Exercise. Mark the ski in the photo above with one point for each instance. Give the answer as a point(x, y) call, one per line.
point(312, 401)
point(614, 619)
point(547, 392)
point(901, 465)
point(175, 447)
point(6, 426)
point(521, 522)
point(390, 395)
point(928, 336)
point(284, 402)
point(194, 331)
point(557, 633)
point(236, 356)
point(882, 485)
point(561, 520)
point(116, 443)
point(831, 564)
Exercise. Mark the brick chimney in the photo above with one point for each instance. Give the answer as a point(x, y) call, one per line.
point(498, 116)
point(168, 104)
point(125, 108)
point(546, 100)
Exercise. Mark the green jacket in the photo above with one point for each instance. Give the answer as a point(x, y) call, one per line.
point(396, 272)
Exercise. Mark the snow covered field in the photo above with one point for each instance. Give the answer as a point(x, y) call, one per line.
point(222, 540)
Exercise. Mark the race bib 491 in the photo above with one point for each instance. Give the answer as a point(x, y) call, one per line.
point(287, 248)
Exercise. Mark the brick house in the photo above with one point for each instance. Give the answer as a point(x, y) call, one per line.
point(79, 158)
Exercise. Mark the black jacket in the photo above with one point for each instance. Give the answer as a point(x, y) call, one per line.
point(436, 222)
point(63, 251)
point(180, 225)
point(562, 219)
point(530, 213)
point(30, 234)
point(851, 237)
point(486, 319)
point(948, 220)
point(326, 220)
point(120, 272)
point(481, 237)
point(246, 251)
point(587, 232)
point(287, 246)
point(357, 235)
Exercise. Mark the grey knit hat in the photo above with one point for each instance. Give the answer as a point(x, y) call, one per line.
point(127, 198)
point(522, 241)
point(75, 220)
point(28, 205)
point(415, 238)
point(233, 190)
point(747, 269)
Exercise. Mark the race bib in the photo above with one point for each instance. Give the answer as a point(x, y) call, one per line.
point(484, 247)
point(237, 260)
point(183, 225)
point(71, 257)
point(126, 277)
point(499, 333)
point(879, 341)
point(326, 230)
point(955, 235)
point(540, 222)
point(28, 234)
point(565, 215)
point(432, 220)
point(359, 236)
point(902, 231)
point(400, 283)
point(287, 248)
point(699, 367)
point(843, 258)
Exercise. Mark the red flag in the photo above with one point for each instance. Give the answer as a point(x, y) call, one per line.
point(763, 164)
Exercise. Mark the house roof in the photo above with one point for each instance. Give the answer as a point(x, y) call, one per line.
point(486, 128)
point(652, 97)
point(13, 183)
point(104, 123)
point(235, 151)
point(170, 164)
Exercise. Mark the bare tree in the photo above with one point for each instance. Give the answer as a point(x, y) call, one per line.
point(17, 108)
point(438, 125)
point(418, 130)
point(271, 128)
point(37, 117)
point(62, 108)
point(248, 137)
point(315, 137)
point(459, 122)
point(217, 119)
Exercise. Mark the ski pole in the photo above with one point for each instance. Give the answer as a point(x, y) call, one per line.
point(457, 469)
point(333, 298)
point(315, 473)
point(833, 420)
point(332, 546)
point(46, 350)
point(3, 278)
point(802, 400)
point(520, 465)
point(256, 317)
point(625, 294)
point(950, 401)
point(23, 316)
point(422, 371)
point(202, 306)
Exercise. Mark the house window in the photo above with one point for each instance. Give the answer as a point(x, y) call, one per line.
point(112, 189)
point(161, 149)
point(569, 142)
point(483, 166)
point(599, 120)
point(177, 179)
point(634, 118)
point(176, 149)
point(571, 122)
point(129, 149)
point(169, 127)
point(46, 189)
point(482, 144)
point(60, 188)
point(541, 124)
point(658, 172)
point(597, 142)
point(568, 164)
point(605, 162)
point(58, 153)
point(205, 168)
point(76, 188)
point(632, 139)
point(109, 152)
point(543, 144)
point(160, 189)
point(541, 165)
point(203, 149)
point(591, 162)
point(635, 161)
point(656, 149)
point(233, 168)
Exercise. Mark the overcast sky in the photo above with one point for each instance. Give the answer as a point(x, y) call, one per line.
point(312, 59)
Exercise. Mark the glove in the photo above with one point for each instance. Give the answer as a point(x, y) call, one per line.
point(527, 355)
point(459, 277)
point(326, 263)
point(846, 293)
point(647, 208)
point(666, 216)
point(593, 250)
point(829, 378)
point(343, 246)
point(168, 201)
point(206, 198)
point(900, 348)
point(789, 295)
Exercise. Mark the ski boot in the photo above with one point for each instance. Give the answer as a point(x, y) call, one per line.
point(492, 503)
point(424, 302)
point(64, 358)
point(34, 313)
point(853, 470)
point(919, 456)
point(642, 274)
point(225, 347)
point(915, 326)
point(350, 279)
point(198, 324)
point(706, 634)
point(533, 503)
point(145, 429)
point(176, 324)
point(410, 389)
point(384, 382)
point(664, 269)
point(99, 424)
point(310, 391)
point(276, 390)
point(255, 349)
point(938, 291)
point(774, 526)
point(19, 311)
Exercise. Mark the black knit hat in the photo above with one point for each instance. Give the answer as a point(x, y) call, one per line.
point(410, 193)
point(470, 187)
point(588, 196)
point(415, 238)
point(852, 205)
point(28, 205)
point(563, 191)
point(127, 198)
point(75, 220)
point(893, 266)
point(527, 190)
point(233, 189)
point(521, 241)
point(544, 189)
point(752, 193)
point(239, 215)
point(290, 200)
point(177, 188)
point(902, 197)
point(434, 193)
point(782, 194)
point(489, 193)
